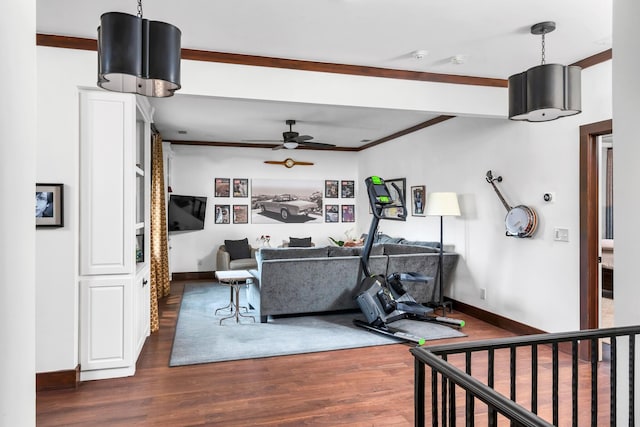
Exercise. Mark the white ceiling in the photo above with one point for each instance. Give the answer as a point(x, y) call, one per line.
point(491, 35)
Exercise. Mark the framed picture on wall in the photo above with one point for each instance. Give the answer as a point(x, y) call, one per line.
point(240, 214)
point(240, 187)
point(347, 189)
point(348, 213)
point(49, 205)
point(222, 214)
point(418, 195)
point(331, 188)
point(222, 187)
point(331, 213)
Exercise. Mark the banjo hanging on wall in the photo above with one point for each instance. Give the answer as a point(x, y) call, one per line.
point(521, 220)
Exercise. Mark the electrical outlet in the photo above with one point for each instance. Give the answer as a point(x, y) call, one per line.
point(483, 293)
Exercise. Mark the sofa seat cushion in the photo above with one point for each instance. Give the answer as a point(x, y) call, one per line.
point(243, 264)
point(238, 249)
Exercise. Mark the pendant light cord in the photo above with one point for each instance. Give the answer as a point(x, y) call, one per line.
point(140, 9)
point(543, 49)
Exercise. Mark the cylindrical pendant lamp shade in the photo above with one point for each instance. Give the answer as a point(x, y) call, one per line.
point(545, 92)
point(136, 55)
point(119, 52)
point(163, 58)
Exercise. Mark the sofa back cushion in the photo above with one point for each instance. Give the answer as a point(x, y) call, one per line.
point(287, 253)
point(304, 242)
point(341, 251)
point(396, 249)
point(376, 249)
point(238, 249)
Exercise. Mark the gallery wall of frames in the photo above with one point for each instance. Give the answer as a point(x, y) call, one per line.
point(265, 201)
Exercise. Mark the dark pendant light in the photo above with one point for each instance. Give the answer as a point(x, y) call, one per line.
point(546, 92)
point(136, 55)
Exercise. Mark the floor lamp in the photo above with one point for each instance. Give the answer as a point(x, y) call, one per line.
point(442, 204)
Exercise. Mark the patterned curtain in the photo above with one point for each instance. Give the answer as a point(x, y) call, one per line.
point(160, 286)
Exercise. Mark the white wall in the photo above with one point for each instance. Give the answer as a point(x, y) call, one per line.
point(57, 162)
point(534, 281)
point(193, 170)
point(626, 110)
point(17, 222)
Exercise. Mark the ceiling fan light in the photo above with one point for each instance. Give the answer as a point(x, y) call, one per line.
point(290, 145)
point(136, 55)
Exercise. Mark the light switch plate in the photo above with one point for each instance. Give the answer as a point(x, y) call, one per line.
point(561, 234)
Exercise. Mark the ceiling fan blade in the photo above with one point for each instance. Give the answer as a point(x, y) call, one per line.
point(262, 140)
point(316, 144)
point(278, 147)
point(302, 138)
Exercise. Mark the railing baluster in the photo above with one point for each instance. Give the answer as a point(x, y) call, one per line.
point(594, 382)
point(418, 397)
point(469, 401)
point(574, 383)
point(490, 379)
point(534, 378)
point(554, 387)
point(632, 376)
point(512, 375)
point(445, 380)
point(434, 397)
point(452, 405)
point(613, 356)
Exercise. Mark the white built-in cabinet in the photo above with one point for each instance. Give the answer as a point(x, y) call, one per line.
point(115, 141)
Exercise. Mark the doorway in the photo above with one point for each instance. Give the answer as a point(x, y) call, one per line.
point(590, 226)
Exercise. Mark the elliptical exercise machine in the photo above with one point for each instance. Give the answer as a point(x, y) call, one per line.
point(384, 300)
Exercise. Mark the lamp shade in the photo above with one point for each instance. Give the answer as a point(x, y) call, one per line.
point(136, 55)
point(546, 92)
point(442, 204)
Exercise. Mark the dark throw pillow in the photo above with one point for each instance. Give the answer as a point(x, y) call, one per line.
point(295, 242)
point(238, 249)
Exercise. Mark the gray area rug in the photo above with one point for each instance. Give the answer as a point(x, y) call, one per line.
point(199, 338)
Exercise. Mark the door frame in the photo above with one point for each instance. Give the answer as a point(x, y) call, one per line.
point(589, 226)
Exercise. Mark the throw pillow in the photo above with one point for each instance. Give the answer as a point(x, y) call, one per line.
point(295, 242)
point(238, 249)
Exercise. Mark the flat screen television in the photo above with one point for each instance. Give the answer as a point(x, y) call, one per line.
point(186, 212)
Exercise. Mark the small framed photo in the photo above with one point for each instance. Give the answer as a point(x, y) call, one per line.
point(49, 205)
point(240, 187)
point(347, 189)
point(222, 187)
point(418, 196)
point(348, 213)
point(222, 214)
point(331, 189)
point(331, 213)
point(240, 214)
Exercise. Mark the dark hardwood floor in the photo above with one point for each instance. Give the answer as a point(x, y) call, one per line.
point(361, 387)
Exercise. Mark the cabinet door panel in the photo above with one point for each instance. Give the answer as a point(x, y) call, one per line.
point(106, 329)
point(107, 183)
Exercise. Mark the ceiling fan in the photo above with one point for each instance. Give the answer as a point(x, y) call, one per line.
point(291, 139)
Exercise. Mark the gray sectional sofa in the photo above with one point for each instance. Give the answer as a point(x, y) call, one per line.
point(320, 279)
